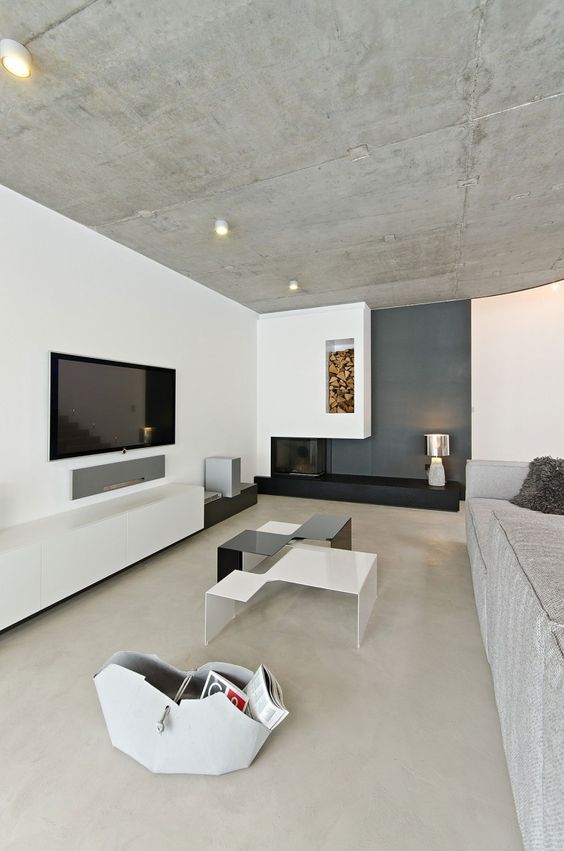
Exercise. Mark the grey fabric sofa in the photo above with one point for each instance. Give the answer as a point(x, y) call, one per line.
point(517, 560)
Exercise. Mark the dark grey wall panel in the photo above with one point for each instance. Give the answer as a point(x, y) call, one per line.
point(106, 477)
point(420, 383)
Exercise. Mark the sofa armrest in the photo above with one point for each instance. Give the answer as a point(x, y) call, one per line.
point(495, 479)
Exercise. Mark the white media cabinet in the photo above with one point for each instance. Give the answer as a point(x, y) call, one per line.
point(47, 560)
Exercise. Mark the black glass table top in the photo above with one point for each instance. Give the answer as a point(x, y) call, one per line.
point(321, 527)
point(261, 543)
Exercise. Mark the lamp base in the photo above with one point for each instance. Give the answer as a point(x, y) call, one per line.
point(437, 473)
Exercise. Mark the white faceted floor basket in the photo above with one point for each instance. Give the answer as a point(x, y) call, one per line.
point(210, 736)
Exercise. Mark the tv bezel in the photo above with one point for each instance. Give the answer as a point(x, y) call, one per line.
point(55, 357)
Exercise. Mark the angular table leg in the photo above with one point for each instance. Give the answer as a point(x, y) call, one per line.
point(227, 562)
point(343, 539)
point(366, 599)
point(252, 560)
point(218, 612)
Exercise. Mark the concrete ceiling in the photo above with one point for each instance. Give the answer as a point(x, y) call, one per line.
point(148, 120)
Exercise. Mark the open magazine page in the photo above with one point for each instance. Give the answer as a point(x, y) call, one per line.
point(265, 699)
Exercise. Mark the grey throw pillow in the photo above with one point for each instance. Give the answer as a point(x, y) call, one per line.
point(543, 489)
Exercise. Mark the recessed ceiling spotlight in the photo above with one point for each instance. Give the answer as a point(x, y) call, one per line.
point(15, 58)
point(293, 285)
point(358, 153)
point(221, 227)
point(556, 285)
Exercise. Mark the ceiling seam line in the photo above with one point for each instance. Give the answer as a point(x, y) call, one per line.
point(220, 192)
point(541, 99)
point(196, 198)
point(60, 21)
point(472, 103)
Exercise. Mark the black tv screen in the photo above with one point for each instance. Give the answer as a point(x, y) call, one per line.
point(102, 405)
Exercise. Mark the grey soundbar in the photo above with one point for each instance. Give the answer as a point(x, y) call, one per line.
point(108, 477)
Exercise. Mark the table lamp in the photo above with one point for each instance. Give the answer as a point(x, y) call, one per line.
point(437, 448)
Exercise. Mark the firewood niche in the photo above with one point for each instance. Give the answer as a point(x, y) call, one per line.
point(340, 376)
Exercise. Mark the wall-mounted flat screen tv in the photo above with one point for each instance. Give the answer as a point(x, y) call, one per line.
point(103, 405)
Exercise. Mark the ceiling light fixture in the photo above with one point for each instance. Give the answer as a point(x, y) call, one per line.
point(293, 285)
point(556, 285)
point(221, 227)
point(15, 58)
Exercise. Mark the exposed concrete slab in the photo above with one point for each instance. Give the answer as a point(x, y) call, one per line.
point(25, 21)
point(519, 46)
point(148, 122)
point(520, 201)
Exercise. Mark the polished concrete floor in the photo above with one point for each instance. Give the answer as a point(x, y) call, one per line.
point(395, 746)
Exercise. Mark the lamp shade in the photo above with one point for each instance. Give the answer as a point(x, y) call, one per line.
point(437, 445)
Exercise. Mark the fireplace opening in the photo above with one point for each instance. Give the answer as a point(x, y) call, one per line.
point(298, 456)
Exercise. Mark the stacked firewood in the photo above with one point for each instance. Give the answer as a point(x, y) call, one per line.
point(341, 382)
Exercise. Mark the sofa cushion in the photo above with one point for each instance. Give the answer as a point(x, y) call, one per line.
point(538, 544)
point(494, 479)
point(543, 488)
point(482, 511)
point(528, 673)
point(559, 637)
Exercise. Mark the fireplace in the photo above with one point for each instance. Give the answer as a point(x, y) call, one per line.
point(298, 456)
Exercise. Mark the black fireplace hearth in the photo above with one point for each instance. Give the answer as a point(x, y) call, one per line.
point(298, 456)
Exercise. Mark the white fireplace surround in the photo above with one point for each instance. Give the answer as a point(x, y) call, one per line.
point(292, 375)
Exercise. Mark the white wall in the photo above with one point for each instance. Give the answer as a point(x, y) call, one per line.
point(518, 375)
point(65, 288)
point(292, 375)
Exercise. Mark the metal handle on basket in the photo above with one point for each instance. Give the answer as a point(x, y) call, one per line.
point(161, 723)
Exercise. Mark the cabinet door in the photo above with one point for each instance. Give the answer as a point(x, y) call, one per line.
point(20, 577)
point(154, 527)
point(82, 556)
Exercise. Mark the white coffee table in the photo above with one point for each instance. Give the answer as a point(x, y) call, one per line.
point(346, 571)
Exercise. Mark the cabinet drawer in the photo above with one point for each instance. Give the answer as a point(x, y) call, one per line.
point(162, 523)
point(81, 557)
point(20, 577)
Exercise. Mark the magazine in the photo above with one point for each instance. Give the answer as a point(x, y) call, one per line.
point(216, 683)
point(266, 702)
